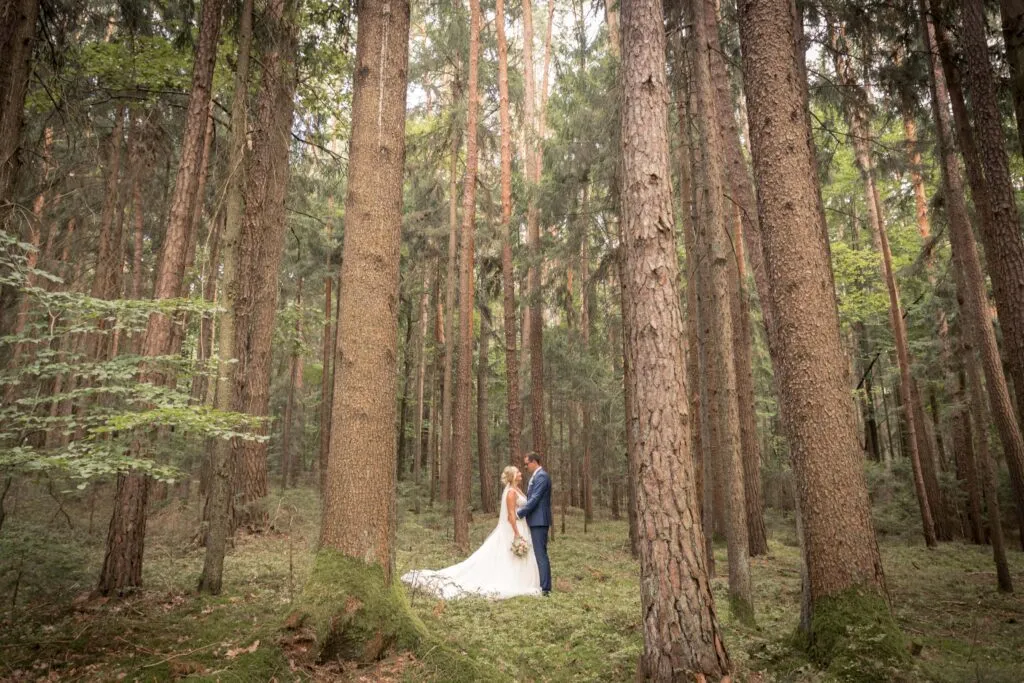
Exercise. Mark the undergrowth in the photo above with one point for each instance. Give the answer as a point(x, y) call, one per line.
point(944, 601)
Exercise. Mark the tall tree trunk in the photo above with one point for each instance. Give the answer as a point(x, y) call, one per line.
point(122, 563)
point(463, 463)
point(325, 383)
point(717, 250)
point(1012, 14)
point(219, 500)
point(681, 633)
point(403, 404)
point(698, 389)
point(448, 338)
point(535, 338)
point(857, 119)
point(832, 496)
point(586, 306)
point(627, 396)
point(1002, 238)
point(17, 39)
point(508, 289)
point(971, 295)
point(483, 413)
point(288, 459)
point(421, 376)
point(359, 501)
point(743, 341)
point(749, 232)
point(260, 250)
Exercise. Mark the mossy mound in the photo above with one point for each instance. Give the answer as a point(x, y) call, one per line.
point(855, 638)
point(357, 617)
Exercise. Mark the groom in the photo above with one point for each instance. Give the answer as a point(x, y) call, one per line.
point(537, 513)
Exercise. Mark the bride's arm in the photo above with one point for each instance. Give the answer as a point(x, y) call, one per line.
point(510, 506)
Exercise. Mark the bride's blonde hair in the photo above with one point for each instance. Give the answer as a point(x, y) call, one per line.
point(508, 475)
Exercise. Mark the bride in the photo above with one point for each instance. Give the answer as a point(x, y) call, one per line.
point(493, 571)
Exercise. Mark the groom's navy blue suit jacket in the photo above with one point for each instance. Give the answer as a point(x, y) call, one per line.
point(537, 511)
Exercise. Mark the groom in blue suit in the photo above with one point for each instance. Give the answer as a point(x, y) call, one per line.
point(537, 513)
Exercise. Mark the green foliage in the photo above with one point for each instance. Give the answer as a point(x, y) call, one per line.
point(74, 408)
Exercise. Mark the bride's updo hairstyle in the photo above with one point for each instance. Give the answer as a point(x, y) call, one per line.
point(508, 475)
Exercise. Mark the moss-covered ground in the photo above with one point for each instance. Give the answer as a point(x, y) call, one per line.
point(945, 602)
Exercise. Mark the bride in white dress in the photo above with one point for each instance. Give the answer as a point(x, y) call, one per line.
point(493, 571)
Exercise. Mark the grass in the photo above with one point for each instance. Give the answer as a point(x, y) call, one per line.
point(588, 630)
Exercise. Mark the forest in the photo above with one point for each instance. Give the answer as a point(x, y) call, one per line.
point(287, 285)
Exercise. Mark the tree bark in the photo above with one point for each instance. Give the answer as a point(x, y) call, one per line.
point(1012, 15)
point(681, 633)
point(632, 472)
point(698, 389)
point(325, 383)
point(514, 406)
point(463, 464)
point(1002, 238)
point(260, 250)
point(421, 376)
point(219, 501)
point(122, 564)
point(359, 501)
point(817, 409)
point(717, 250)
point(288, 458)
point(483, 413)
point(976, 329)
point(17, 39)
point(445, 452)
point(535, 338)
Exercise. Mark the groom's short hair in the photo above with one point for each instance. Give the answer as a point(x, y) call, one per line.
point(533, 456)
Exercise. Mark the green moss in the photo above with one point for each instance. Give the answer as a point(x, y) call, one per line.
point(855, 637)
point(742, 611)
point(358, 617)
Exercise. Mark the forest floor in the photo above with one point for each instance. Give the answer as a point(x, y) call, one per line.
point(589, 629)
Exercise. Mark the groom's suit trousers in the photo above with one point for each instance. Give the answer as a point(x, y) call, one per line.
point(539, 534)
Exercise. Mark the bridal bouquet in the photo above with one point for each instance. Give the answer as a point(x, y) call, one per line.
point(520, 547)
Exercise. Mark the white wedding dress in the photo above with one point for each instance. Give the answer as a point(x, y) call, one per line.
point(493, 571)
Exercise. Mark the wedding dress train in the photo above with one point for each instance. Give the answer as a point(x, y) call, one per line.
point(493, 571)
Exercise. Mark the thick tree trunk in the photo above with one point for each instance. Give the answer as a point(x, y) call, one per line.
point(359, 499)
point(681, 633)
point(219, 500)
point(716, 248)
point(463, 464)
point(123, 562)
point(508, 289)
point(832, 496)
point(260, 249)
